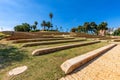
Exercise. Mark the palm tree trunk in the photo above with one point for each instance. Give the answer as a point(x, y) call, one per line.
point(51, 24)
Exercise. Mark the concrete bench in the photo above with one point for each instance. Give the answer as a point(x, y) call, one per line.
point(116, 40)
point(50, 42)
point(71, 64)
point(58, 48)
point(39, 39)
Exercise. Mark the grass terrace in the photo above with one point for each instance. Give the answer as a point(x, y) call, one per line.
point(41, 41)
point(45, 67)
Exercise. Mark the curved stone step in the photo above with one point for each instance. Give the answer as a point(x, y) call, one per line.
point(50, 42)
point(71, 64)
point(58, 48)
point(39, 39)
point(116, 40)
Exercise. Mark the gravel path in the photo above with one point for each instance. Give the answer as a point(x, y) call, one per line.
point(105, 67)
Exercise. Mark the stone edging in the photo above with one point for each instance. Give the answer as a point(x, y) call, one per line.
point(50, 42)
point(58, 48)
point(71, 64)
point(116, 40)
point(38, 39)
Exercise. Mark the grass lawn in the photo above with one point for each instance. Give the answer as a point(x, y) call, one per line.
point(44, 46)
point(45, 67)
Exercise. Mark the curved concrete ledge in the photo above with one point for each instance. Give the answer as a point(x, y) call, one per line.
point(53, 49)
point(50, 42)
point(39, 39)
point(116, 40)
point(71, 64)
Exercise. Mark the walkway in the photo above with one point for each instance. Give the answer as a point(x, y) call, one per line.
point(106, 67)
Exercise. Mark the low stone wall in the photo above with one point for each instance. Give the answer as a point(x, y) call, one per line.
point(71, 64)
point(116, 40)
point(39, 39)
point(50, 42)
point(53, 49)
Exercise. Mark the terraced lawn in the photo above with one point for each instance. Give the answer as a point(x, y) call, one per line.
point(45, 67)
point(50, 42)
point(45, 46)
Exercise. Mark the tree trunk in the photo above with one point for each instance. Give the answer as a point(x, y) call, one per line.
point(102, 32)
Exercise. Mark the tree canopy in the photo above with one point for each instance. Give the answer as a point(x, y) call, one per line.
point(91, 28)
point(25, 27)
point(117, 32)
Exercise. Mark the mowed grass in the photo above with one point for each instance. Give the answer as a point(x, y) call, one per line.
point(55, 44)
point(45, 67)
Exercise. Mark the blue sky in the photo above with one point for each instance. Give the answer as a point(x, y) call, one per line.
point(67, 13)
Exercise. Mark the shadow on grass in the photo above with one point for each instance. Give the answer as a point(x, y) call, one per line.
point(9, 54)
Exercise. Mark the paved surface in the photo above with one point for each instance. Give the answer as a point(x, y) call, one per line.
point(105, 67)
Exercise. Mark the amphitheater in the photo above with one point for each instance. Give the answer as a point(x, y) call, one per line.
point(99, 63)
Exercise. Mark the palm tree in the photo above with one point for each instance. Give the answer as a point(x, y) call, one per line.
point(51, 16)
point(31, 27)
point(34, 27)
point(36, 23)
point(48, 24)
point(87, 27)
point(94, 27)
point(43, 24)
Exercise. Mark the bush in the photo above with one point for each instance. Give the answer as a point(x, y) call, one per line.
point(117, 32)
point(73, 29)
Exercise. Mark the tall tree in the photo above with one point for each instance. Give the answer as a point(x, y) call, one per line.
point(48, 24)
point(31, 27)
point(94, 28)
point(87, 27)
point(43, 24)
point(51, 16)
point(26, 27)
point(35, 25)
